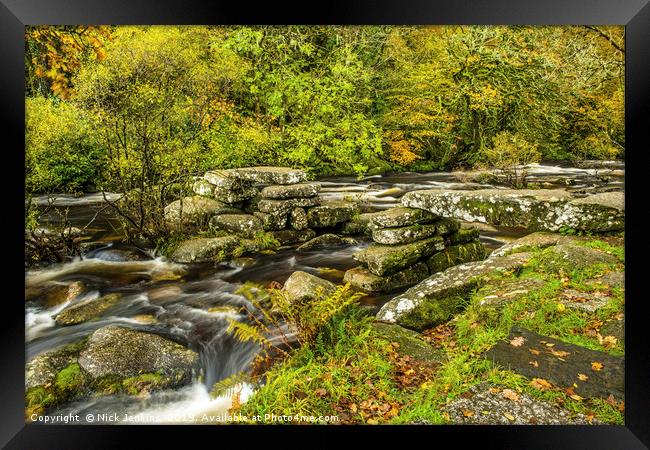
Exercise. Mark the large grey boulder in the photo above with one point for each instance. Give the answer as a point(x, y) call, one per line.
point(288, 237)
point(403, 235)
point(386, 259)
point(402, 217)
point(302, 286)
point(291, 191)
point(194, 210)
point(273, 206)
point(331, 213)
point(272, 221)
point(542, 209)
point(235, 194)
point(202, 250)
point(361, 224)
point(256, 175)
point(362, 279)
point(436, 299)
point(118, 352)
point(456, 254)
point(241, 224)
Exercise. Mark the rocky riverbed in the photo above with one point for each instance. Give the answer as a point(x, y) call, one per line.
point(126, 329)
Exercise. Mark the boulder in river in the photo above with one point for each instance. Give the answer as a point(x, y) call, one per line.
point(402, 217)
point(202, 250)
point(331, 213)
point(117, 353)
point(241, 224)
point(302, 287)
point(273, 206)
point(272, 221)
point(541, 209)
point(291, 191)
point(194, 210)
point(456, 254)
point(403, 235)
point(386, 259)
point(288, 237)
point(54, 293)
point(86, 310)
point(298, 219)
point(362, 279)
point(360, 224)
point(325, 241)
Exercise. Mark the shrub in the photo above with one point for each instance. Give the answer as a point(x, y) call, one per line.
point(509, 152)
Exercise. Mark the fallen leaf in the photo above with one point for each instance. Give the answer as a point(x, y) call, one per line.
point(582, 377)
point(609, 341)
point(353, 407)
point(533, 351)
point(510, 395)
point(320, 392)
point(561, 307)
point(372, 422)
point(533, 363)
point(518, 341)
point(510, 417)
point(468, 413)
point(596, 366)
point(540, 383)
point(494, 390)
point(559, 353)
point(548, 344)
point(575, 397)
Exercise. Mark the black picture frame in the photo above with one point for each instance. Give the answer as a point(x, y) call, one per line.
point(634, 14)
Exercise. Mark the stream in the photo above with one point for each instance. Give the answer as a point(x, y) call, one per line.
point(182, 298)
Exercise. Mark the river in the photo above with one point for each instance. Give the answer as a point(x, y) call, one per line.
point(176, 300)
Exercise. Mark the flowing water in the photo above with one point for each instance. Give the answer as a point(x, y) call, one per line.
point(190, 304)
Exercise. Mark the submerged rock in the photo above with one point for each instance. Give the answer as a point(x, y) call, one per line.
point(302, 286)
point(326, 241)
point(561, 364)
point(54, 293)
point(202, 250)
point(402, 217)
point(288, 237)
point(242, 224)
point(291, 191)
point(86, 310)
point(42, 369)
point(386, 259)
point(362, 279)
point(542, 209)
point(331, 213)
point(117, 353)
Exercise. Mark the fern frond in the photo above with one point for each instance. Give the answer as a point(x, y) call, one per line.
point(246, 333)
point(225, 386)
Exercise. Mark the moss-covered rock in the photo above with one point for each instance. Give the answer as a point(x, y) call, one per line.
point(403, 235)
point(326, 241)
point(302, 286)
point(272, 221)
point(436, 299)
point(456, 254)
point(291, 191)
point(386, 259)
point(402, 217)
point(233, 195)
point(288, 237)
point(463, 236)
point(205, 250)
point(410, 343)
point(86, 310)
point(119, 353)
point(360, 224)
point(541, 209)
point(196, 210)
point(447, 226)
point(273, 206)
point(246, 225)
point(362, 279)
point(298, 219)
point(331, 213)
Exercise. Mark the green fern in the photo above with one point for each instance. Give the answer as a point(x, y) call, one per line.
point(225, 386)
point(246, 333)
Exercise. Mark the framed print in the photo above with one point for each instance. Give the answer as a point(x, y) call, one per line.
point(378, 218)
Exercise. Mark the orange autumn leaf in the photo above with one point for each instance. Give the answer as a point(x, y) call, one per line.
point(518, 341)
point(596, 366)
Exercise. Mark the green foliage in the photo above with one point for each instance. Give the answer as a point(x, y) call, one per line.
point(62, 149)
point(508, 153)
